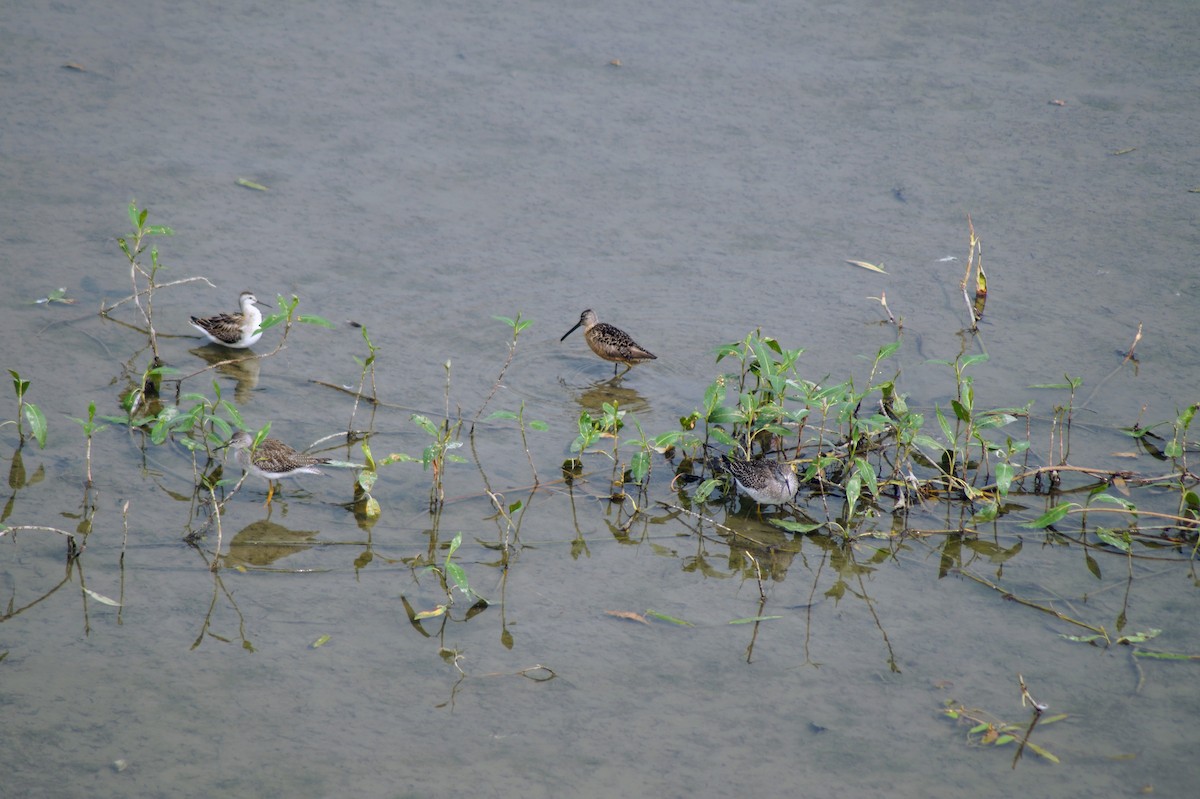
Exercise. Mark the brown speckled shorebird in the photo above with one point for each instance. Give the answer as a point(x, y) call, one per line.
point(610, 343)
point(236, 330)
point(765, 481)
point(272, 459)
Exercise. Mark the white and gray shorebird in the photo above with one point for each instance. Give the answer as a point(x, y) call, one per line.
point(236, 330)
point(272, 459)
point(766, 481)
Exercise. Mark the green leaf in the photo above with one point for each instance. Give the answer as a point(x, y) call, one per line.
point(310, 319)
point(971, 360)
point(1004, 477)
point(705, 490)
point(1117, 540)
point(250, 184)
point(37, 423)
point(1162, 655)
point(1041, 752)
point(867, 472)
point(321, 641)
point(503, 415)
point(796, 527)
point(539, 425)
point(669, 619)
point(947, 431)
point(750, 619)
point(459, 576)
point(1055, 514)
point(986, 513)
point(639, 466)
point(425, 424)
point(1140, 638)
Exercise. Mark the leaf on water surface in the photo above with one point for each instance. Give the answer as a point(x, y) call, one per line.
point(1055, 514)
point(796, 527)
point(866, 265)
point(101, 598)
point(324, 639)
point(627, 614)
point(670, 619)
point(1138, 638)
point(250, 184)
point(1165, 655)
point(750, 619)
point(1124, 151)
point(1041, 752)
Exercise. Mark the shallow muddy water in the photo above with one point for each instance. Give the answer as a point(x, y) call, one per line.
point(691, 177)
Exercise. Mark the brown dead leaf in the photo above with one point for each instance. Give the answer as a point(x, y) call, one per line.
point(627, 614)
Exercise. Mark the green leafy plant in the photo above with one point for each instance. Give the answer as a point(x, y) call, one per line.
point(90, 428)
point(27, 411)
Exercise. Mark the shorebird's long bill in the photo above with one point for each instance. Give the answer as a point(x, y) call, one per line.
point(572, 330)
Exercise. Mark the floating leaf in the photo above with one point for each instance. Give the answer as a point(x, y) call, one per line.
point(796, 527)
point(101, 598)
point(666, 618)
point(1041, 752)
point(250, 184)
point(324, 639)
point(1164, 655)
point(1124, 151)
point(430, 614)
point(1138, 638)
point(750, 619)
point(1055, 514)
point(866, 265)
point(627, 614)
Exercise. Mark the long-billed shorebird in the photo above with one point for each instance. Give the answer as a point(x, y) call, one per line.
point(610, 343)
point(272, 459)
point(765, 481)
point(237, 330)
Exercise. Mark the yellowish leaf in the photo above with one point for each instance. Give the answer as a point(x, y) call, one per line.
point(866, 265)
